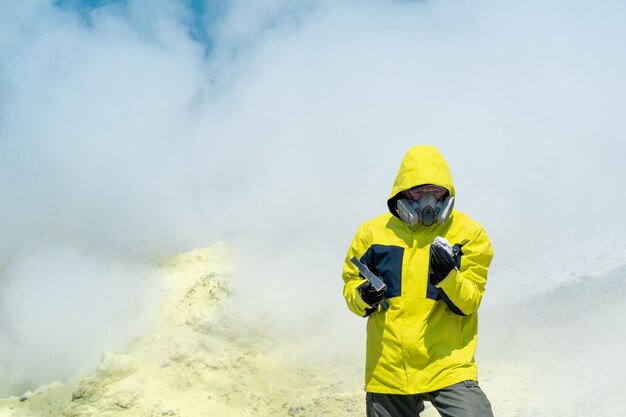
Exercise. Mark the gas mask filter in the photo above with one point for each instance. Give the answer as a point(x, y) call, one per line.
point(427, 210)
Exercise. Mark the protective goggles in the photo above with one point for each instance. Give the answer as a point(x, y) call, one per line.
point(418, 192)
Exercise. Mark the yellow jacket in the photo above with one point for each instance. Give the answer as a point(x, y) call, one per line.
point(426, 339)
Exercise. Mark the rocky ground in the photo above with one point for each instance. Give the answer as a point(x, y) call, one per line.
point(200, 361)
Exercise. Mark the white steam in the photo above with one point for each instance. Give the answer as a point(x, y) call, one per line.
point(61, 304)
point(123, 140)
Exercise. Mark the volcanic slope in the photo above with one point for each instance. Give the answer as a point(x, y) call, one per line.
point(201, 360)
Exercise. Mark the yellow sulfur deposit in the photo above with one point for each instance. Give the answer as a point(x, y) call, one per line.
point(200, 360)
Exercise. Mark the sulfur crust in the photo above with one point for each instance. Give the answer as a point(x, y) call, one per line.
point(200, 360)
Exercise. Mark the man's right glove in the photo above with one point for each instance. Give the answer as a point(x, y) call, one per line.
point(441, 263)
point(370, 295)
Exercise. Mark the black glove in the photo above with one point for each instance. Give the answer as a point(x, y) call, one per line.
point(441, 263)
point(370, 295)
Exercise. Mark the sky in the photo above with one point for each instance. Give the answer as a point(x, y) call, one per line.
point(134, 130)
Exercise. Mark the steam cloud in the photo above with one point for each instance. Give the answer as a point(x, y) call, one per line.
point(125, 137)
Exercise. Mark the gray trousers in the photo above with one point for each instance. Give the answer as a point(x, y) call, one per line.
point(464, 399)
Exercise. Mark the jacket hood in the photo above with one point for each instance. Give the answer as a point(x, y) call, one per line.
point(421, 165)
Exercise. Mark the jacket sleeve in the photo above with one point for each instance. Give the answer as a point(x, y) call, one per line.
point(351, 278)
point(465, 287)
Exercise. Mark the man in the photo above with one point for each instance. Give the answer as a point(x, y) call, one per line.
point(422, 328)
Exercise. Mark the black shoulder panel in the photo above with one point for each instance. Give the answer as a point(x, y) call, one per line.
point(385, 261)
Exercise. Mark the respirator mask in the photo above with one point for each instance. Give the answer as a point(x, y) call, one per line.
point(427, 210)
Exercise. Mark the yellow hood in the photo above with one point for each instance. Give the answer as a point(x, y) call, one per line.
point(421, 165)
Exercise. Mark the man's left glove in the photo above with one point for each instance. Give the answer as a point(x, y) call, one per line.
point(370, 295)
point(441, 263)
